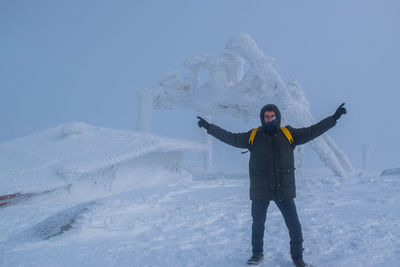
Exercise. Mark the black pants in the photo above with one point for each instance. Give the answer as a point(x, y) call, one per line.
point(289, 212)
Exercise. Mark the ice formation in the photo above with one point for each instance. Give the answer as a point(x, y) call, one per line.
point(231, 91)
point(78, 157)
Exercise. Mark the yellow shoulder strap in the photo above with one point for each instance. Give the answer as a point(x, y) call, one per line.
point(287, 134)
point(252, 135)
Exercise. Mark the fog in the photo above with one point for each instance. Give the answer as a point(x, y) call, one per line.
point(65, 61)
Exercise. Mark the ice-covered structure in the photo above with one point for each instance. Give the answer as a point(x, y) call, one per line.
point(231, 91)
point(366, 154)
point(83, 158)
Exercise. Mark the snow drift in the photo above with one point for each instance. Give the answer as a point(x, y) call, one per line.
point(84, 157)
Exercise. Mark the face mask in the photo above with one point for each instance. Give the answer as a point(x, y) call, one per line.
point(270, 126)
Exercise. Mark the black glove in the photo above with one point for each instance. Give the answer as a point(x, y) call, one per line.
point(203, 123)
point(339, 112)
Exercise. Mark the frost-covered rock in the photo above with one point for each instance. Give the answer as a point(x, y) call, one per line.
point(56, 224)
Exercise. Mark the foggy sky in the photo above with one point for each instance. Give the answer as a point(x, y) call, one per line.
point(65, 61)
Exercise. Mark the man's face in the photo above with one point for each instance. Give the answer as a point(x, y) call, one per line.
point(269, 116)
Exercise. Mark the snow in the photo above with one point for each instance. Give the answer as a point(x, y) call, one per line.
point(117, 198)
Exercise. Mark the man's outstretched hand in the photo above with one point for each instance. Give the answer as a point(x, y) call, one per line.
point(339, 112)
point(203, 123)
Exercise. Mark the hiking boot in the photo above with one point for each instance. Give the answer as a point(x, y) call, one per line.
point(300, 263)
point(255, 259)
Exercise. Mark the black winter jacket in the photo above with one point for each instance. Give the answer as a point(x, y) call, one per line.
point(271, 164)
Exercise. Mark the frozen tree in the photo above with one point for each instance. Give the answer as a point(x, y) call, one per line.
point(231, 91)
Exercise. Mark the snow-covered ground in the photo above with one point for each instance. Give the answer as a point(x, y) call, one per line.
point(104, 202)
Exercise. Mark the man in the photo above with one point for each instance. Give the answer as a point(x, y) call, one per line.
point(271, 169)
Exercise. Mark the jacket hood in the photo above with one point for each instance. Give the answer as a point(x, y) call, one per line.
point(271, 107)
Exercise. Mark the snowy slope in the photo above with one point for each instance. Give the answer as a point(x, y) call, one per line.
point(180, 217)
